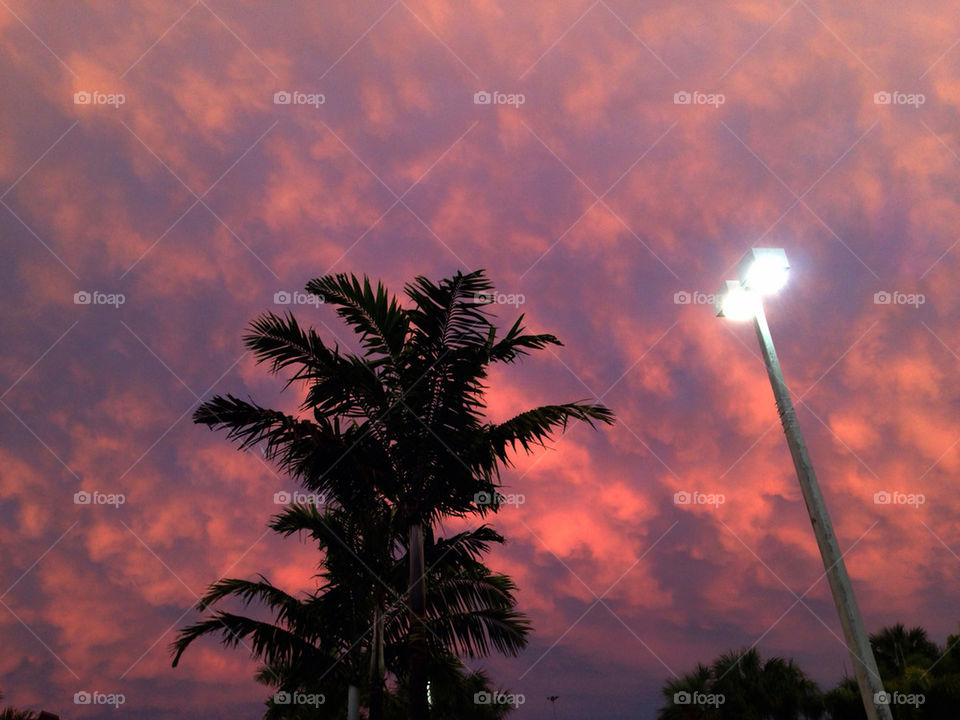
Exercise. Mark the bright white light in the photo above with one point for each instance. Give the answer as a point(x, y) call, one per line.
point(737, 303)
point(766, 276)
point(764, 270)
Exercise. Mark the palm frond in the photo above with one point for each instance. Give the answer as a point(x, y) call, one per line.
point(378, 318)
point(248, 422)
point(477, 633)
point(282, 342)
point(516, 343)
point(267, 642)
point(248, 591)
point(535, 427)
point(462, 549)
point(450, 314)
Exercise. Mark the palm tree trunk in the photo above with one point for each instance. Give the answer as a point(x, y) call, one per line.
point(419, 708)
point(377, 666)
point(353, 703)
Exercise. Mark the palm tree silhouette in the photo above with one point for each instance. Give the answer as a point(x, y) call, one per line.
point(897, 648)
point(413, 404)
point(344, 625)
point(751, 690)
point(14, 714)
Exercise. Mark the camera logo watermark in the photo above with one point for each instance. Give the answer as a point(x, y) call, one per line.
point(899, 498)
point(899, 698)
point(486, 498)
point(296, 297)
point(295, 97)
point(896, 97)
point(499, 298)
point(95, 97)
point(83, 497)
point(514, 700)
point(286, 497)
point(699, 698)
point(95, 297)
point(896, 297)
point(699, 498)
point(99, 698)
point(685, 297)
point(299, 698)
point(482, 97)
point(695, 97)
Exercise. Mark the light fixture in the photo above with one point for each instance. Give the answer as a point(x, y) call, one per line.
point(764, 270)
point(734, 302)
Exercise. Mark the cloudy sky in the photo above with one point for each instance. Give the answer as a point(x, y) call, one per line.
point(628, 156)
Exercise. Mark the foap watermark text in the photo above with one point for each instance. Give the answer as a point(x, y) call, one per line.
point(482, 97)
point(699, 699)
point(95, 97)
point(695, 497)
point(295, 97)
point(896, 97)
point(695, 97)
point(895, 297)
point(685, 297)
point(296, 297)
point(884, 497)
point(96, 697)
point(514, 700)
point(499, 298)
point(295, 497)
point(95, 497)
point(95, 297)
point(899, 698)
point(486, 498)
point(299, 698)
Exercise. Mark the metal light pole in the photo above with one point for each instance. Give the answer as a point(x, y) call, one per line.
point(857, 641)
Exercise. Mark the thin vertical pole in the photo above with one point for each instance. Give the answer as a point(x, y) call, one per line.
point(858, 643)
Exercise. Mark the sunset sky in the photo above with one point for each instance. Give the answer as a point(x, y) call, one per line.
point(145, 162)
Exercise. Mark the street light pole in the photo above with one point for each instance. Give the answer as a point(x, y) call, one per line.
point(858, 643)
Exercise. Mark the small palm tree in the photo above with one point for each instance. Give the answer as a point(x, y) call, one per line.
point(319, 644)
point(676, 692)
point(405, 418)
point(898, 649)
point(844, 702)
point(741, 686)
point(14, 714)
point(310, 638)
